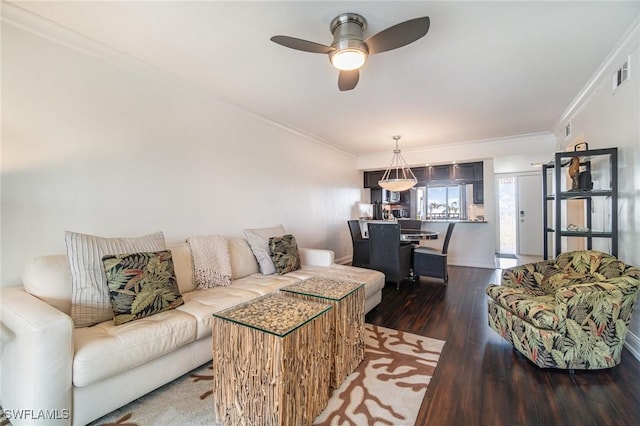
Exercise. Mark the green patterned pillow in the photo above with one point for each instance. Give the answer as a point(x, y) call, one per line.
point(284, 253)
point(141, 284)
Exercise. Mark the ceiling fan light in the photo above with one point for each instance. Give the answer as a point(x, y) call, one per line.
point(348, 59)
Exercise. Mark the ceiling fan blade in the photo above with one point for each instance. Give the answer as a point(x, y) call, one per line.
point(299, 44)
point(398, 35)
point(348, 80)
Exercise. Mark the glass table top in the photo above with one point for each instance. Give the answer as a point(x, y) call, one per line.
point(324, 287)
point(274, 314)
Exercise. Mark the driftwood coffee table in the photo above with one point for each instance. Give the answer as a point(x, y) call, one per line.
point(271, 361)
point(347, 319)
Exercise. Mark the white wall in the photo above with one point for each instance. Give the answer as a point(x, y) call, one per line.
point(612, 119)
point(112, 149)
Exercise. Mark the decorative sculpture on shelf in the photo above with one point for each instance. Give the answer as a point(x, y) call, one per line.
point(580, 180)
point(574, 173)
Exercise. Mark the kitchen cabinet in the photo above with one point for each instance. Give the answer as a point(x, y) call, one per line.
point(456, 173)
point(467, 172)
point(605, 194)
point(420, 173)
point(440, 173)
point(371, 178)
point(478, 193)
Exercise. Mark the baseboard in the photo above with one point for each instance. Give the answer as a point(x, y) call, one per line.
point(346, 260)
point(480, 265)
point(632, 342)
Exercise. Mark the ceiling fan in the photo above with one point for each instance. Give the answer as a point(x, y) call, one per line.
point(349, 50)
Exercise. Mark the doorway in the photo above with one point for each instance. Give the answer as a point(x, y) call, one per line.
point(507, 228)
point(520, 216)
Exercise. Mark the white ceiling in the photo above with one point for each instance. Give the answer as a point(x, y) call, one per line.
point(486, 69)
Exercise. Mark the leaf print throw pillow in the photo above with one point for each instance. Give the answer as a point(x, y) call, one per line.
point(284, 253)
point(141, 284)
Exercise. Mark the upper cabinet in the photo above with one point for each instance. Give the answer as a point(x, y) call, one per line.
point(456, 173)
point(467, 172)
point(478, 193)
point(420, 173)
point(371, 178)
point(438, 174)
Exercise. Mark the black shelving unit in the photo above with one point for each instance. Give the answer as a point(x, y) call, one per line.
point(560, 194)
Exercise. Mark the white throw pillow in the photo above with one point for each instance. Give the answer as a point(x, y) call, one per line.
point(90, 303)
point(259, 241)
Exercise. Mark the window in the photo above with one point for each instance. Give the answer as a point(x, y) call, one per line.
point(445, 202)
point(421, 202)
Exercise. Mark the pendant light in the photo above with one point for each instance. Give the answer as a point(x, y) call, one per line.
point(398, 176)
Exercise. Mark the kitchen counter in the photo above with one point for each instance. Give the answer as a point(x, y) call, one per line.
point(471, 245)
point(453, 220)
point(426, 220)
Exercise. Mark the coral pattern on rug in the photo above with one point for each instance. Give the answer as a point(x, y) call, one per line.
point(387, 388)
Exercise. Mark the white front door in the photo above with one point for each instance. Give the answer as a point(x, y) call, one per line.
point(529, 215)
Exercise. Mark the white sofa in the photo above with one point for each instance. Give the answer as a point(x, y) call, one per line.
point(76, 375)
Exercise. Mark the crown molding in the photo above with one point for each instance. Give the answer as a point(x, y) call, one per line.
point(28, 21)
point(21, 18)
point(525, 139)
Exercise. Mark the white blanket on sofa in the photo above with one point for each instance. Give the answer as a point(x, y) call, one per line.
point(211, 260)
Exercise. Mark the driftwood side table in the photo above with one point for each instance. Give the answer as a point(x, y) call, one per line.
point(271, 361)
point(347, 319)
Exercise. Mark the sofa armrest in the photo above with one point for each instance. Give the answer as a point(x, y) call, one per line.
point(529, 275)
point(37, 358)
point(316, 257)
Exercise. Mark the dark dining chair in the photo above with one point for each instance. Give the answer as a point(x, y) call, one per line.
point(430, 262)
point(387, 254)
point(408, 226)
point(360, 245)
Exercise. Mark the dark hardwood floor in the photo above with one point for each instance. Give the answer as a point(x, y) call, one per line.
point(481, 380)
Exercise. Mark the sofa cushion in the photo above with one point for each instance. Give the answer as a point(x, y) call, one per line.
point(201, 304)
point(183, 266)
point(49, 279)
point(534, 306)
point(211, 261)
point(141, 284)
point(569, 277)
point(243, 262)
point(284, 253)
point(530, 275)
point(90, 302)
point(374, 279)
point(590, 262)
point(259, 241)
point(264, 284)
point(104, 350)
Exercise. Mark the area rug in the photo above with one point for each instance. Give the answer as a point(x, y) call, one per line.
point(387, 388)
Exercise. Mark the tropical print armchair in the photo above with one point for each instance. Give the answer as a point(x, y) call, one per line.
point(570, 313)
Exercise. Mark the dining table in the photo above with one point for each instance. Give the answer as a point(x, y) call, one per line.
point(413, 236)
